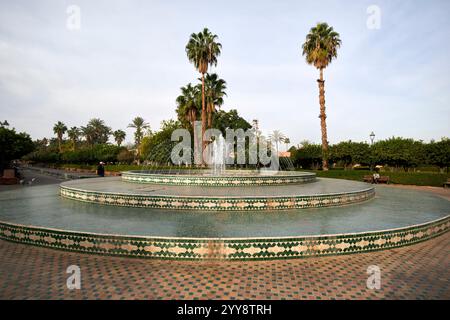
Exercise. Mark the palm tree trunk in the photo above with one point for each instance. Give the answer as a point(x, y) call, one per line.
point(59, 144)
point(203, 115)
point(323, 123)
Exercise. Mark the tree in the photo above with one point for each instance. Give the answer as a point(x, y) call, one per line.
point(438, 153)
point(119, 136)
point(349, 153)
point(277, 137)
point(74, 134)
point(214, 92)
point(308, 155)
point(140, 125)
point(202, 50)
point(59, 129)
point(13, 146)
point(96, 132)
point(157, 148)
point(320, 48)
point(287, 141)
point(188, 106)
point(399, 152)
point(230, 120)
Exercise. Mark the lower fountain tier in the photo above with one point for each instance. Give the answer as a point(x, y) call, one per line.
point(113, 191)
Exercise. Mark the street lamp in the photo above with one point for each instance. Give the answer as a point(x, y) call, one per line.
point(372, 137)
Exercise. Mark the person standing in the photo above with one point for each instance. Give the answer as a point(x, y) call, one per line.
point(101, 169)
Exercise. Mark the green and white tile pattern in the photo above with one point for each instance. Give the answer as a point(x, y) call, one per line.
point(219, 181)
point(228, 203)
point(223, 249)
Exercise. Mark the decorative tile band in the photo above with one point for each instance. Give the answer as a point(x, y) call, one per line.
point(227, 203)
point(223, 249)
point(218, 181)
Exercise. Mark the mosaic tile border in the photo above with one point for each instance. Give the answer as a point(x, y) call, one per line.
point(223, 249)
point(228, 203)
point(218, 181)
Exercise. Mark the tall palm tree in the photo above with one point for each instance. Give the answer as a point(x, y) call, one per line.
point(140, 125)
point(59, 129)
point(202, 50)
point(277, 137)
point(119, 136)
point(188, 109)
point(74, 134)
point(214, 93)
point(320, 48)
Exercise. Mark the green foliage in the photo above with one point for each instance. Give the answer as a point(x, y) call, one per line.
point(13, 145)
point(229, 120)
point(157, 148)
point(438, 153)
point(87, 155)
point(125, 156)
point(203, 49)
point(399, 152)
point(408, 178)
point(348, 153)
point(321, 45)
point(96, 132)
point(308, 156)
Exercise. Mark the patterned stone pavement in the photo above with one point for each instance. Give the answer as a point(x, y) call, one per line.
point(421, 271)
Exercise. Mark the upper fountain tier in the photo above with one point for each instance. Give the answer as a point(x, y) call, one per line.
point(227, 178)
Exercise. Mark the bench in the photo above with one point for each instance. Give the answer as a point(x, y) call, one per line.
point(382, 179)
point(446, 184)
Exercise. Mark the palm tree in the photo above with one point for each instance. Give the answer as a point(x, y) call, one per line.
point(59, 129)
point(287, 141)
point(140, 125)
point(214, 92)
point(74, 134)
point(119, 136)
point(202, 50)
point(188, 109)
point(320, 48)
point(277, 137)
point(188, 105)
point(96, 132)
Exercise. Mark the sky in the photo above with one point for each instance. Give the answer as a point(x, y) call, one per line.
point(127, 59)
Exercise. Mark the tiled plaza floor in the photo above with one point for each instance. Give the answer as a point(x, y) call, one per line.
point(420, 271)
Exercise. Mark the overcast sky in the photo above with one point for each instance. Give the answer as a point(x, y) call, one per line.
point(128, 59)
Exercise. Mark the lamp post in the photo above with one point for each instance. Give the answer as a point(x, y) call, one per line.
point(372, 137)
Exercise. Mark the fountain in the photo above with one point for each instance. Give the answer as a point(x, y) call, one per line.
point(220, 214)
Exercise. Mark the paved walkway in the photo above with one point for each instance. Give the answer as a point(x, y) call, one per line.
point(420, 271)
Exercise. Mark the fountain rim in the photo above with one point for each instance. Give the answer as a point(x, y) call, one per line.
point(230, 178)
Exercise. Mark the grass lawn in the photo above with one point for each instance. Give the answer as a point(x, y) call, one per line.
point(413, 178)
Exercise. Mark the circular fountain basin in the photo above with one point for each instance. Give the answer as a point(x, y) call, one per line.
point(228, 178)
point(39, 216)
point(322, 193)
